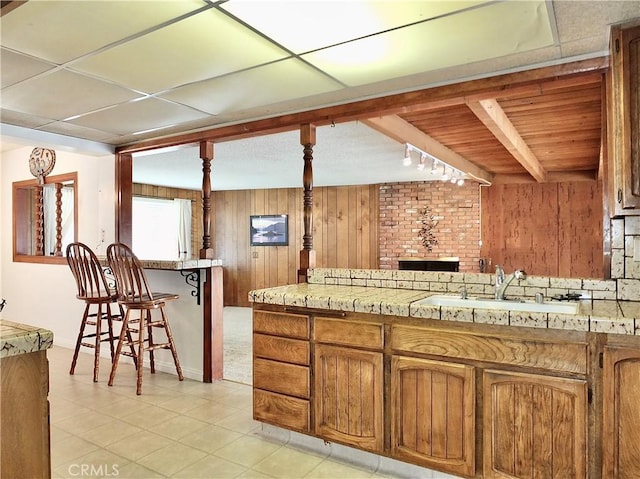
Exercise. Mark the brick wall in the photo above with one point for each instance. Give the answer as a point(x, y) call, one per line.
point(456, 208)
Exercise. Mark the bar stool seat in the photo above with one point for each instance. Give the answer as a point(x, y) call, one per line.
point(94, 290)
point(134, 294)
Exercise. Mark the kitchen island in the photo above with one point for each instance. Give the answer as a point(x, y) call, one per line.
point(24, 407)
point(355, 357)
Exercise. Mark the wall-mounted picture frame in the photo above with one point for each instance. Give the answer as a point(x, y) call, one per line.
point(269, 230)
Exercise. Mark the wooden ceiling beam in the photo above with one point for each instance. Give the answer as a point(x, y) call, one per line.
point(9, 6)
point(404, 132)
point(552, 177)
point(495, 119)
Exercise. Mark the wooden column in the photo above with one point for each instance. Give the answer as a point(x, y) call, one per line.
point(206, 154)
point(124, 198)
point(57, 250)
point(212, 347)
point(212, 309)
point(307, 254)
point(39, 221)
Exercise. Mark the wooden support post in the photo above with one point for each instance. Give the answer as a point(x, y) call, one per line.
point(124, 198)
point(57, 249)
point(39, 221)
point(206, 154)
point(307, 254)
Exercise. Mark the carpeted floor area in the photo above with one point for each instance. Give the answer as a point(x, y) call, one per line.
point(238, 352)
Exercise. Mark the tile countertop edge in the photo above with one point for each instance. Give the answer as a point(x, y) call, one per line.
point(18, 338)
point(591, 318)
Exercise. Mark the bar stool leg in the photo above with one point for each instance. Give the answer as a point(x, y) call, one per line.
point(79, 341)
point(124, 332)
point(110, 324)
point(151, 344)
point(96, 355)
point(143, 320)
point(171, 345)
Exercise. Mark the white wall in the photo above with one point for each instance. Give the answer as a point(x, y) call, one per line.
point(44, 295)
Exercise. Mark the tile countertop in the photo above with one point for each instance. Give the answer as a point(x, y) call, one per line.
point(602, 316)
point(172, 265)
point(16, 338)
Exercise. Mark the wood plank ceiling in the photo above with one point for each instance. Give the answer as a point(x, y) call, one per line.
point(546, 133)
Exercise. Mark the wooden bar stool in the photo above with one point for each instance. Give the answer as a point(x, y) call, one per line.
point(135, 295)
point(94, 290)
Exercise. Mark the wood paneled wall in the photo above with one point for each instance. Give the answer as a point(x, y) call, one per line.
point(551, 229)
point(345, 229)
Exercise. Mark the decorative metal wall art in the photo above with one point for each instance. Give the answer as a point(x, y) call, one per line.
point(41, 162)
point(428, 223)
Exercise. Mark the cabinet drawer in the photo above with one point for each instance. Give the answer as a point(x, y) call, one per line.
point(280, 377)
point(281, 410)
point(349, 333)
point(517, 351)
point(281, 324)
point(281, 349)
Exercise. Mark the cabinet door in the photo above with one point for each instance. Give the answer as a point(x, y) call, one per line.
point(621, 413)
point(534, 426)
point(624, 117)
point(349, 396)
point(433, 414)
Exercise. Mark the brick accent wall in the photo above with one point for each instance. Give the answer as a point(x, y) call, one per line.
point(456, 208)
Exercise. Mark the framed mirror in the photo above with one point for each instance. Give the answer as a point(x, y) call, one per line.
point(45, 218)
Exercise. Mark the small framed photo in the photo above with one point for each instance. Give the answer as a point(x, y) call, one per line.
point(269, 230)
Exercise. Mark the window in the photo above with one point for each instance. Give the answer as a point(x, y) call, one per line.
point(161, 228)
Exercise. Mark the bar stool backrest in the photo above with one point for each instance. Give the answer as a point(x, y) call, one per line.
point(131, 281)
point(88, 273)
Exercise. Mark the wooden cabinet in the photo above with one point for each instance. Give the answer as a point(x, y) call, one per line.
point(433, 414)
point(24, 416)
point(534, 426)
point(621, 413)
point(349, 399)
point(483, 401)
point(623, 119)
point(281, 375)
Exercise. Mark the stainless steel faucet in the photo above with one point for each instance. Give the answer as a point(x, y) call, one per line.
point(502, 284)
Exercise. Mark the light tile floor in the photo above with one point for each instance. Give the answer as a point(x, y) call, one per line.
point(176, 429)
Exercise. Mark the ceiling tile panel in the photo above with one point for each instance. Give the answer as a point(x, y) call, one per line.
point(63, 94)
point(69, 129)
point(17, 67)
point(268, 84)
point(202, 46)
point(60, 31)
point(24, 120)
point(481, 34)
point(305, 26)
point(150, 113)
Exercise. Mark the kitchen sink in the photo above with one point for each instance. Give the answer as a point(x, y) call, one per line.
point(508, 305)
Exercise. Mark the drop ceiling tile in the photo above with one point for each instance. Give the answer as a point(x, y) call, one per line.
point(17, 118)
point(586, 46)
point(61, 31)
point(305, 26)
point(492, 31)
point(202, 46)
point(16, 67)
point(575, 19)
point(138, 116)
point(69, 129)
point(281, 81)
point(63, 94)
